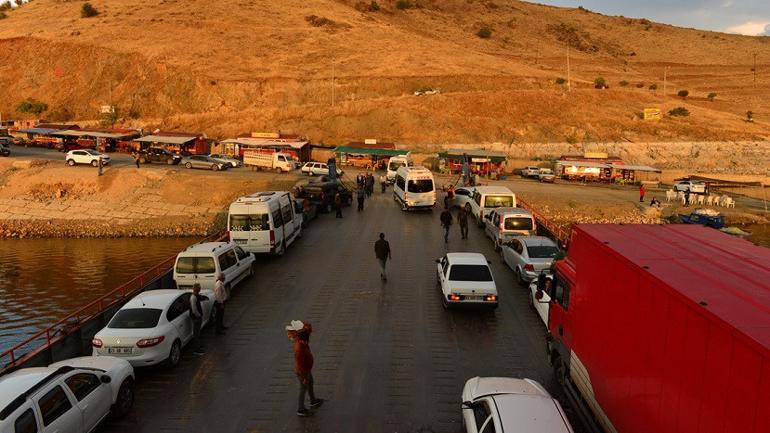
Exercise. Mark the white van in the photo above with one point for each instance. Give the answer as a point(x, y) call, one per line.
point(264, 222)
point(414, 188)
point(504, 223)
point(200, 263)
point(396, 162)
point(489, 197)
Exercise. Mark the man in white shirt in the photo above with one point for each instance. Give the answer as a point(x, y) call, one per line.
point(220, 296)
point(196, 314)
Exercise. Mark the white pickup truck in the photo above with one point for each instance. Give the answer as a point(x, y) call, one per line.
point(279, 162)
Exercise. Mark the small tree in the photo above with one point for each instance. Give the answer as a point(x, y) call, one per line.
point(683, 94)
point(679, 111)
point(373, 6)
point(88, 11)
point(32, 106)
point(600, 83)
point(484, 33)
point(109, 118)
point(653, 87)
point(403, 4)
point(749, 116)
point(561, 81)
point(3, 16)
point(623, 83)
point(711, 96)
point(5, 5)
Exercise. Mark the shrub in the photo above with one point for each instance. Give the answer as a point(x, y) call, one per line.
point(3, 16)
point(749, 116)
point(653, 87)
point(572, 138)
point(600, 83)
point(403, 4)
point(639, 85)
point(373, 6)
point(679, 111)
point(623, 83)
point(484, 33)
point(711, 96)
point(683, 93)
point(61, 114)
point(88, 11)
point(31, 106)
point(560, 81)
point(5, 5)
point(317, 21)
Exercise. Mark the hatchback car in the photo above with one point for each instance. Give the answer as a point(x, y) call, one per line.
point(152, 328)
point(86, 156)
point(528, 256)
point(500, 404)
point(466, 279)
point(71, 396)
point(462, 197)
point(695, 186)
point(318, 169)
point(205, 162)
point(233, 162)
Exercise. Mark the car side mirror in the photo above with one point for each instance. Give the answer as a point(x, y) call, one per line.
point(539, 295)
point(438, 260)
point(468, 405)
point(105, 378)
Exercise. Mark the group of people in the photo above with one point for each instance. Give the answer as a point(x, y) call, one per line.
point(221, 296)
point(365, 182)
point(447, 219)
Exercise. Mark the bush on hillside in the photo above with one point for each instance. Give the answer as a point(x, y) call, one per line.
point(3, 15)
point(5, 5)
point(623, 83)
point(711, 96)
point(88, 11)
point(374, 6)
point(653, 87)
point(600, 83)
point(484, 33)
point(639, 85)
point(60, 114)
point(560, 81)
point(749, 116)
point(31, 106)
point(679, 111)
point(683, 93)
point(403, 4)
point(317, 21)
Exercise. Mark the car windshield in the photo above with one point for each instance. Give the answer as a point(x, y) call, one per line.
point(135, 318)
point(195, 265)
point(542, 252)
point(93, 152)
point(498, 201)
point(518, 223)
point(470, 273)
point(247, 223)
point(420, 185)
point(393, 166)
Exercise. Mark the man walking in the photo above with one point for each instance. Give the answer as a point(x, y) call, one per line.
point(462, 219)
point(446, 222)
point(136, 159)
point(687, 197)
point(360, 196)
point(642, 192)
point(299, 334)
point(383, 183)
point(382, 252)
point(196, 314)
point(369, 184)
point(220, 296)
point(338, 205)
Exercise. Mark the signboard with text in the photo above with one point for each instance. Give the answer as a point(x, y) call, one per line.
point(652, 114)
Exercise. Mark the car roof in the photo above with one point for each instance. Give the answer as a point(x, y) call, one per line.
point(14, 384)
point(536, 241)
point(159, 299)
point(512, 211)
point(493, 190)
point(467, 259)
point(205, 247)
point(530, 413)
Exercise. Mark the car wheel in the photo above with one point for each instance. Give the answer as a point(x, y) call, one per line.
point(71, 162)
point(175, 354)
point(214, 167)
point(519, 278)
point(125, 399)
point(188, 165)
point(95, 163)
point(278, 170)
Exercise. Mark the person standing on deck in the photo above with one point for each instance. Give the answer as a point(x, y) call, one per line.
point(220, 296)
point(382, 252)
point(642, 192)
point(196, 314)
point(299, 334)
point(462, 220)
point(446, 223)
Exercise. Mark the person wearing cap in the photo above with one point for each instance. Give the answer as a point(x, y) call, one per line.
point(220, 296)
point(299, 334)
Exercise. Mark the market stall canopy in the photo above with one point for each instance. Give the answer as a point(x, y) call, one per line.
point(637, 168)
point(261, 142)
point(95, 134)
point(487, 154)
point(166, 139)
point(39, 131)
point(585, 164)
point(379, 152)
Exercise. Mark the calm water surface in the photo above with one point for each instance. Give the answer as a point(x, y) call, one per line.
point(42, 280)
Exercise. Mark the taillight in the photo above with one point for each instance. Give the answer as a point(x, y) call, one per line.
point(454, 297)
point(529, 267)
point(97, 343)
point(272, 238)
point(149, 342)
point(491, 298)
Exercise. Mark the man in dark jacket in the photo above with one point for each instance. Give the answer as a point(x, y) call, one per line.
point(360, 196)
point(446, 222)
point(382, 252)
point(338, 205)
point(462, 219)
point(196, 314)
point(299, 334)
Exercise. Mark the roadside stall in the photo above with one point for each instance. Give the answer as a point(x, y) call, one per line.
point(631, 174)
point(103, 140)
point(42, 134)
point(181, 143)
point(368, 158)
point(298, 148)
point(584, 171)
point(484, 163)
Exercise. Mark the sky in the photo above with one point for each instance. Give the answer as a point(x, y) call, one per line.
point(747, 17)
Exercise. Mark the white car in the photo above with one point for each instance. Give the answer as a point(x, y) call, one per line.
point(528, 256)
point(530, 171)
point(152, 328)
point(71, 396)
point(695, 186)
point(463, 196)
point(466, 279)
point(86, 156)
point(233, 162)
point(500, 404)
point(318, 169)
point(541, 305)
point(546, 175)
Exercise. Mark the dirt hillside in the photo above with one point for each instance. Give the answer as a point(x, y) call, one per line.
point(234, 66)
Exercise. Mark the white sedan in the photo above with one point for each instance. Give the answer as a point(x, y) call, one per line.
point(466, 279)
point(233, 162)
point(318, 169)
point(86, 156)
point(499, 404)
point(695, 186)
point(528, 256)
point(152, 328)
point(463, 196)
point(71, 396)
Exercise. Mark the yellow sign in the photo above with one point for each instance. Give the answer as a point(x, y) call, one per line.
point(265, 135)
point(652, 114)
point(595, 155)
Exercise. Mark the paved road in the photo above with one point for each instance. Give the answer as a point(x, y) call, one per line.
point(389, 358)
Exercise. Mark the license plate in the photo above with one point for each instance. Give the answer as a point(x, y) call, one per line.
point(120, 350)
point(474, 298)
point(241, 241)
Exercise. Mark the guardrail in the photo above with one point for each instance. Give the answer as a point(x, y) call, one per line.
point(561, 234)
point(45, 339)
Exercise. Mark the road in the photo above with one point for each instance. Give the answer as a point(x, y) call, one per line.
point(388, 357)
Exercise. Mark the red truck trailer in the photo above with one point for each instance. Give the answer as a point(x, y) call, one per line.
point(663, 329)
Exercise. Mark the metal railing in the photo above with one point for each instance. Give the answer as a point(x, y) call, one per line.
point(560, 233)
point(44, 339)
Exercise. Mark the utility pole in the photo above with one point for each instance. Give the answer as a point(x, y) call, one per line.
point(665, 82)
point(569, 81)
point(333, 81)
point(755, 70)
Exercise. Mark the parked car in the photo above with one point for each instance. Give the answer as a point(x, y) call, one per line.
point(156, 154)
point(695, 186)
point(313, 168)
point(528, 256)
point(7, 140)
point(265, 222)
point(530, 171)
point(152, 328)
point(201, 263)
point(234, 162)
point(546, 175)
point(205, 162)
point(5, 150)
point(86, 156)
point(541, 305)
point(504, 223)
point(71, 396)
point(322, 194)
point(500, 404)
point(486, 198)
point(465, 278)
point(463, 196)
